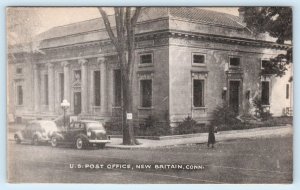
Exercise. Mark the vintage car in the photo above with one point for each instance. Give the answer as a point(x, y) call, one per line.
point(81, 134)
point(36, 131)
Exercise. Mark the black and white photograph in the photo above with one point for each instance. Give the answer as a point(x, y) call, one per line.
point(149, 95)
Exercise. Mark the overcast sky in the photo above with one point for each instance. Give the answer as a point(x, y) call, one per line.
point(51, 17)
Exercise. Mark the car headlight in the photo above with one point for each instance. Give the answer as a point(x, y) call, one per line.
point(89, 133)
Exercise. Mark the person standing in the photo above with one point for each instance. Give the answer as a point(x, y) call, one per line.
point(211, 136)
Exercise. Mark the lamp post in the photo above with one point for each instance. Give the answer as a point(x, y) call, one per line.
point(65, 105)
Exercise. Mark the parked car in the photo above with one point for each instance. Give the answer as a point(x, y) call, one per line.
point(81, 134)
point(36, 131)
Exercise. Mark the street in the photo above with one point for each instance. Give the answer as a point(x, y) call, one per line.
point(261, 160)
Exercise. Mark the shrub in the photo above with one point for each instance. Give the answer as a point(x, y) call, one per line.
point(152, 127)
point(188, 125)
point(224, 116)
point(260, 109)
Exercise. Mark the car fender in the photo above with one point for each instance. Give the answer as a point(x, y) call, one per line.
point(58, 136)
point(84, 138)
point(37, 134)
point(19, 134)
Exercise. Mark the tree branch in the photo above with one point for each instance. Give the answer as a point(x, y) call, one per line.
point(135, 16)
point(108, 28)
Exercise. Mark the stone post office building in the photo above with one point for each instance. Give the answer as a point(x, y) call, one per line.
point(188, 62)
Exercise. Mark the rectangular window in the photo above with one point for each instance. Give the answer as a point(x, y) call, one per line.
point(46, 90)
point(234, 62)
point(265, 93)
point(20, 95)
point(61, 85)
point(19, 70)
point(146, 93)
point(198, 59)
point(97, 88)
point(198, 90)
point(146, 58)
point(264, 64)
point(117, 87)
point(287, 96)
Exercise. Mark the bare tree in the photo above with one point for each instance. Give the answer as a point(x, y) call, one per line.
point(124, 43)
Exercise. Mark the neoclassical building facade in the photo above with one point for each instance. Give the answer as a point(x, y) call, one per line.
point(188, 62)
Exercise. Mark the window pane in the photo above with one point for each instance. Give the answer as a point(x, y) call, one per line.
point(117, 87)
point(287, 91)
point(234, 61)
point(146, 58)
point(46, 90)
point(198, 93)
point(19, 71)
point(146, 92)
point(265, 93)
point(61, 80)
point(20, 95)
point(198, 59)
point(97, 88)
point(264, 64)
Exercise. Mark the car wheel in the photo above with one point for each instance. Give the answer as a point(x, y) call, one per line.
point(54, 142)
point(79, 143)
point(17, 139)
point(35, 141)
point(101, 146)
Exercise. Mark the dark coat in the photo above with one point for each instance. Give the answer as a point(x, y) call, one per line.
point(211, 135)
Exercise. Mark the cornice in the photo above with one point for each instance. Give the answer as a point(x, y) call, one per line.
point(211, 38)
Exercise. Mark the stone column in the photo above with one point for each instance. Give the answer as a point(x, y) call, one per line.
point(67, 87)
point(51, 96)
point(103, 90)
point(36, 88)
point(84, 87)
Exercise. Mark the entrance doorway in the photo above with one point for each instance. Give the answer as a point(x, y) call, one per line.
point(234, 95)
point(77, 103)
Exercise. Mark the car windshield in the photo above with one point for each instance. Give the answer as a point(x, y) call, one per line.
point(95, 126)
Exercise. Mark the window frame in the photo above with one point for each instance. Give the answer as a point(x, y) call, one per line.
point(203, 93)
point(269, 95)
point(114, 89)
point(145, 64)
point(233, 66)
point(198, 64)
point(142, 96)
point(94, 88)
point(261, 61)
point(18, 97)
point(61, 82)
point(19, 69)
point(46, 89)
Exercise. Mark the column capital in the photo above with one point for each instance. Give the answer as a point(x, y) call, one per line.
point(50, 65)
point(101, 60)
point(35, 66)
point(65, 63)
point(82, 62)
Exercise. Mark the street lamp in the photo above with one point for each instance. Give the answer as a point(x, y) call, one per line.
point(65, 105)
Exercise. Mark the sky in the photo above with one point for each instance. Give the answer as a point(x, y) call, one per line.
point(51, 17)
point(24, 23)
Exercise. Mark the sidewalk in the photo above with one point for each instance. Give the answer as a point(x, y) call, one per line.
point(264, 132)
